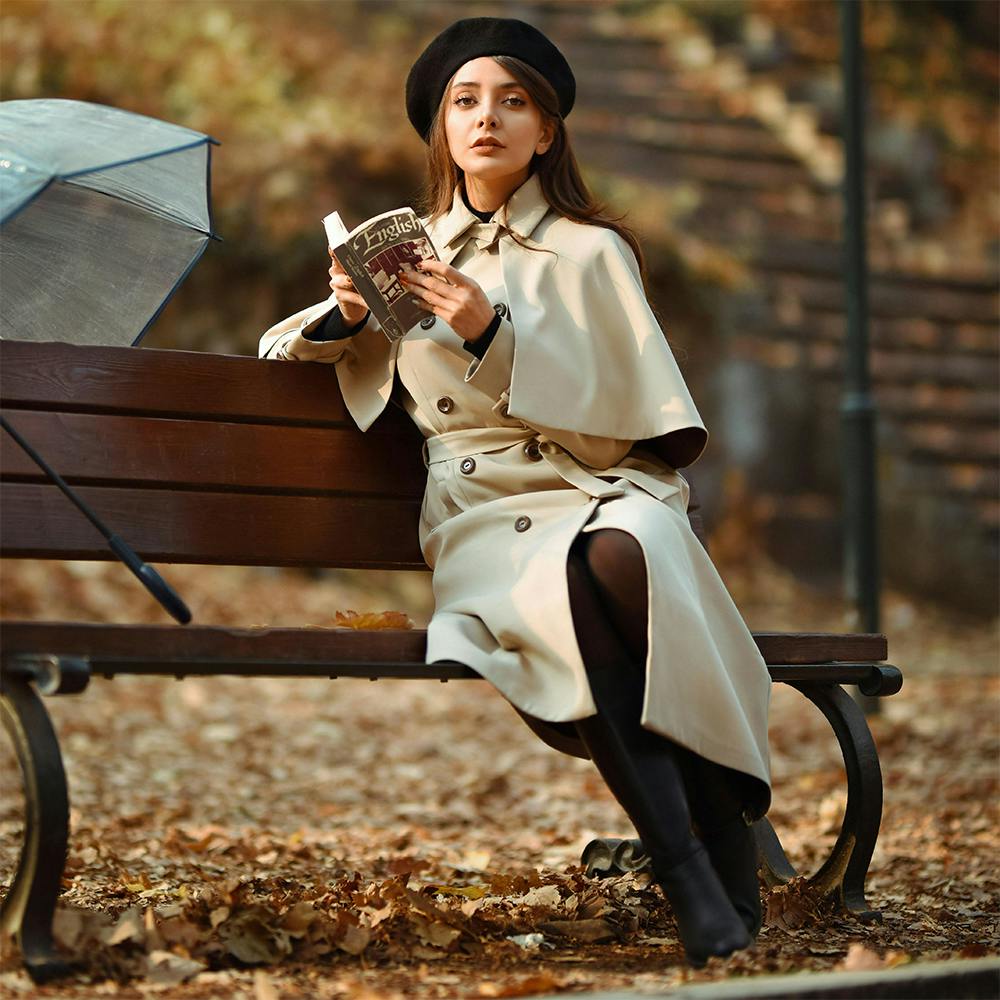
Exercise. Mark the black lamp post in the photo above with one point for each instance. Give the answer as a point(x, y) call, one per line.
point(857, 407)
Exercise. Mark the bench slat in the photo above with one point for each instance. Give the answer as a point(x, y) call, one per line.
point(327, 645)
point(192, 454)
point(233, 529)
point(118, 379)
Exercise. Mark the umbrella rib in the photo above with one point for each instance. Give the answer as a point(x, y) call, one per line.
point(152, 209)
point(177, 284)
point(136, 159)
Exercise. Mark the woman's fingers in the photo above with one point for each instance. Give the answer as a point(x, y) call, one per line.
point(445, 272)
point(338, 279)
point(344, 289)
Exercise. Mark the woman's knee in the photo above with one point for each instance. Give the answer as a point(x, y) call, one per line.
point(616, 561)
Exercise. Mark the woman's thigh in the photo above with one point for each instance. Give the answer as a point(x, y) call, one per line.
point(616, 566)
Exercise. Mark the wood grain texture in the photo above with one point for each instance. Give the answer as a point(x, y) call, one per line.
point(161, 452)
point(230, 529)
point(326, 645)
point(138, 380)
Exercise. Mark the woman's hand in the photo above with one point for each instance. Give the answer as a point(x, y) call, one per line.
point(353, 308)
point(453, 296)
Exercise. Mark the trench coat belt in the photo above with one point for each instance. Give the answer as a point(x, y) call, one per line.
point(481, 440)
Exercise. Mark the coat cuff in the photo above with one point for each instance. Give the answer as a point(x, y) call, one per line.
point(332, 327)
point(293, 345)
point(491, 373)
point(478, 348)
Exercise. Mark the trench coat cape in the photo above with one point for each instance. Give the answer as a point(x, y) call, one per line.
point(589, 355)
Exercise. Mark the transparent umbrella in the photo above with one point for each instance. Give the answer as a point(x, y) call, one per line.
point(103, 212)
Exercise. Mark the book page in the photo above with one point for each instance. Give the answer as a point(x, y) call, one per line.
point(336, 231)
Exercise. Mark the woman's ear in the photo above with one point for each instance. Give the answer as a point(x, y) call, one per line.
point(548, 137)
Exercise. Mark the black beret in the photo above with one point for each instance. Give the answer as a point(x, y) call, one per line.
point(470, 38)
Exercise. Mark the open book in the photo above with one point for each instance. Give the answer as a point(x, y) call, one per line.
point(374, 254)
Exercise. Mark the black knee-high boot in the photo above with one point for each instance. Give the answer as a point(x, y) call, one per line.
point(733, 850)
point(717, 807)
point(646, 780)
point(611, 634)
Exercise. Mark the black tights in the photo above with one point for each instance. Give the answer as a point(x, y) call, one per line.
point(608, 595)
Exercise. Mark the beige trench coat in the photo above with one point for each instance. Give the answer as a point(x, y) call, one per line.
point(582, 407)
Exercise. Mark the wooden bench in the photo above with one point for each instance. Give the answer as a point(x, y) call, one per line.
point(196, 458)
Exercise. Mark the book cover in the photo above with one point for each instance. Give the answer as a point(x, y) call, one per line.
point(374, 255)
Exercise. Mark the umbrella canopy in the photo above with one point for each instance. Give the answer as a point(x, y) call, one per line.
point(102, 214)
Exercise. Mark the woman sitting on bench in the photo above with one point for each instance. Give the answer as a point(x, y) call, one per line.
point(565, 570)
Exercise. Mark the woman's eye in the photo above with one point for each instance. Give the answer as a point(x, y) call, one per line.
point(466, 97)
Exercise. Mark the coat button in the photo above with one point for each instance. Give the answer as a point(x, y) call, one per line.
point(428, 322)
point(446, 404)
point(468, 465)
point(501, 309)
point(533, 451)
point(522, 523)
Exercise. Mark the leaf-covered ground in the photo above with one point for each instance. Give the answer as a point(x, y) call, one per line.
point(333, 839)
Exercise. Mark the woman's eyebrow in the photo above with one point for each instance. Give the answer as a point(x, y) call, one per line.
point(472, 83)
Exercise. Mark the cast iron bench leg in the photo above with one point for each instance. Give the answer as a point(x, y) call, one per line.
point(843, 874)
point(29, 905)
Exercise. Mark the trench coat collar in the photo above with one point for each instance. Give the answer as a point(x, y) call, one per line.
point(525, 209)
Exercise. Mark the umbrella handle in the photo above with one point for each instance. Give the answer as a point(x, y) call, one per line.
point(151, 580)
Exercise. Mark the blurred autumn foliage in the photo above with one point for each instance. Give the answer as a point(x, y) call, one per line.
point(307, 99)
point(308, 117)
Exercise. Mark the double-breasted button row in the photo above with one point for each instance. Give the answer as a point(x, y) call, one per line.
point(468, 466)
point(533, 451)
point(522, 523)
point(446, 404)
point(428, 322)
point(501, 309)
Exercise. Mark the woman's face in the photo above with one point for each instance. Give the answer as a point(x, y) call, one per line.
point(484, 100)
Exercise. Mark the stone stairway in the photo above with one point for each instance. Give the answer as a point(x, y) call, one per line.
point(756, 175)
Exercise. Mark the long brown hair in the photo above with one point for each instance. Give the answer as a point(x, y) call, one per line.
point(558, 173)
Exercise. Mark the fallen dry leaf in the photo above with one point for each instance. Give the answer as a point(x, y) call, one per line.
point(529, 986)
point(263, 986)
point(372, 619)
point(580, 930)
point(168, 969)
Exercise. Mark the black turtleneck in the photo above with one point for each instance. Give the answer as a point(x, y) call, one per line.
point(481, 216)
point(478, 347)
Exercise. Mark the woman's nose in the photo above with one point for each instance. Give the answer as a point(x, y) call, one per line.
point(488, 116)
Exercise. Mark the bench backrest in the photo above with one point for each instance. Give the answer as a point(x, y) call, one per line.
point(202, 458)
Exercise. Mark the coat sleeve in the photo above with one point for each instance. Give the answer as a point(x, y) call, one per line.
point(289, 339)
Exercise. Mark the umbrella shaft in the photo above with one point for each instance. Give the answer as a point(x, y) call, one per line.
point(55, 477)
